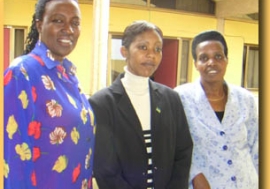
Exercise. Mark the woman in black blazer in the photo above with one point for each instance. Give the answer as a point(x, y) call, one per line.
point(142, 137)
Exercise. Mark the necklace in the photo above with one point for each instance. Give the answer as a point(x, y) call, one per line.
point(216, 99)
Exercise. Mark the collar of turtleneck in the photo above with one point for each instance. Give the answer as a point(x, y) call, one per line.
point(135, 84)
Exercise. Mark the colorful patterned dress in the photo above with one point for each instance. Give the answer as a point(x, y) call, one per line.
point(49, 127)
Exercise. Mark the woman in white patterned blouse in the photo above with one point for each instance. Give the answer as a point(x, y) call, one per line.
point(223, 121)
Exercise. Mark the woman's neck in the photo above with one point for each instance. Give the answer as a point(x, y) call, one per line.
point(134, 83)
point(217, 89)
point(216, 94)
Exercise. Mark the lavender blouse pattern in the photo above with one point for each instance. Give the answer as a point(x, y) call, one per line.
point(225, 152)
point(49, 126)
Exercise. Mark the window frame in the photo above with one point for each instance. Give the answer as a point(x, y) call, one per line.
point(245, 66)
point(12, 42)
point(180, 62)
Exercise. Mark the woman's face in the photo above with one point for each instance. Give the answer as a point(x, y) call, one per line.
point(60, 27)
point(144, 54)
point(211, 61)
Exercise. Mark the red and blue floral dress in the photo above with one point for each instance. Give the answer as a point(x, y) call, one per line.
point(49, 126)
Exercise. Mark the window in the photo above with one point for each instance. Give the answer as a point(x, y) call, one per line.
point(185, 60)
point(197, 6)
point(131, 2)
point(19, 36)
point(250, 78)
point(117, 60)
point(13, 43)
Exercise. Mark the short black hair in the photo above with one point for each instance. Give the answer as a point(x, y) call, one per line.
point(136, 28)
point(210, 35)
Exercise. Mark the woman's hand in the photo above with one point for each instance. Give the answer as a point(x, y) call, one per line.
point(200, 182)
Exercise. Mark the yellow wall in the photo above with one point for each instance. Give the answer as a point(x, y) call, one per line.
point(173, 24)
point(18, 13)
point(237, 34)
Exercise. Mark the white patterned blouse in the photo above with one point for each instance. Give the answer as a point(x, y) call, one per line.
point(225, 152)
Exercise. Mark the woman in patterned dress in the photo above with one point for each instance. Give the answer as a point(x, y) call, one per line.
point(48, 123)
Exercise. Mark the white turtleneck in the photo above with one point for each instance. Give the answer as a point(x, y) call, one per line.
point(137, 88)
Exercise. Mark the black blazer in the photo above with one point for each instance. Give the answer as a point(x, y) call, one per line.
point(120, 159)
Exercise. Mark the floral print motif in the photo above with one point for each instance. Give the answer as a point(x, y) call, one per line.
point(73, 70)
point(24, 73)
point(7, 77)
point(54, 109)
point(6, 169)
point(62, 70)
point(34, 178)
point(84, 115)
point(75, 135)
point(48, 83)
point(87, 159)
point(86, 184)
point(76, 173)
point(49, 54)
point(60, 164)
point(47, 125)
point(12, 126)
point(23, 151)
point(92, 117)
point(72, 101)
point(34, 129)
point(24, 99)
point(58, 135)
point(34, 94)
point(36, 153)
